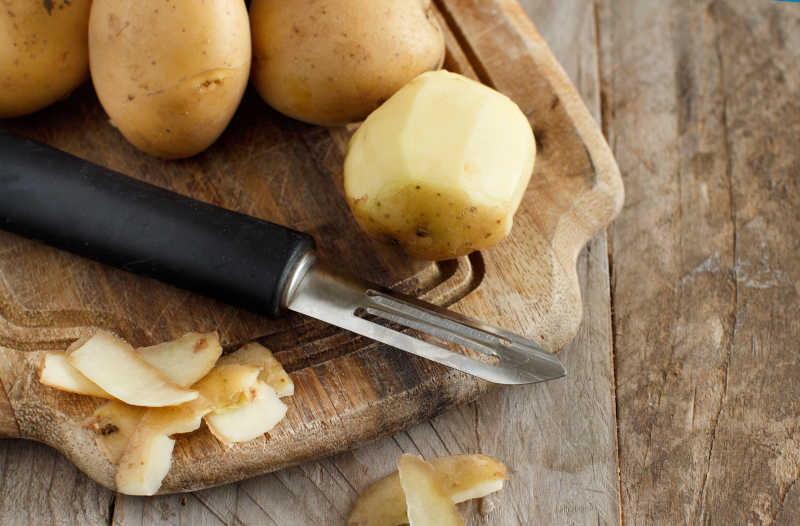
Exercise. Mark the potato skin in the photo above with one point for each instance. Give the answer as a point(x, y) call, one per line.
point(170, 74)
point(43, 53)
point(332, 62)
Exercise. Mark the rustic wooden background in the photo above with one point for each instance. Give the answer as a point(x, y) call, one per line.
point(691, 310)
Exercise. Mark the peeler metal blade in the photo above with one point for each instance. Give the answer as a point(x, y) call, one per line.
point(419, 327)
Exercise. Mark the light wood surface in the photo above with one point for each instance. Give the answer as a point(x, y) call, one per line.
point(699, 103)
point(347, 390)
point(701, 109)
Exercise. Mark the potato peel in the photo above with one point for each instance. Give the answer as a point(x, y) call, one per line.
point(250, 420)
point(427, 501)
point(114, 423)
point(148, 456)
point(112, 364)
point(465, 477)
point(226, 385)
point(185, 360)
point(272, 372)
point(55, 371)
point(149, 400)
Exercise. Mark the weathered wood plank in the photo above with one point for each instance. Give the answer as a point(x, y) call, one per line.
point(40, 486)
point(701, 111)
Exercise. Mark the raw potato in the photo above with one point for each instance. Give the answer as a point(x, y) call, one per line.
point(186, 360)
point(332, 62)
point(250, 420)
point(170, 75)
point(112, 364)
point(272, 372)
point(465, 477)
point(114, 423)
point(441, 167)
point(56, 371)
point(427, 502)
point(43, 53)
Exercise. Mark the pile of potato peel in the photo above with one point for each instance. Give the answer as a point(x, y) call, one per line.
point(424, 493)
point(166, 389)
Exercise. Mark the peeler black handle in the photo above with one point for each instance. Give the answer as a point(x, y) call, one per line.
point(84, 208)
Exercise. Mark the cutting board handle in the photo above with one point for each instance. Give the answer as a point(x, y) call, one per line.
point(9, 363)
point(31, 410)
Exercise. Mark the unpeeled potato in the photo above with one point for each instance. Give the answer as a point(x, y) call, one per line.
point(169, 74)
point(332, 62)
point(43, 53)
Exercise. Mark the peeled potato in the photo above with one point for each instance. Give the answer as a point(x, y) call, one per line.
point(332, 62)
point(441, 167)
point(43, 53)
point(170, 75)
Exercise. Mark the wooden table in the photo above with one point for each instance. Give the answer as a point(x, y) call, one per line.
point(691, 309)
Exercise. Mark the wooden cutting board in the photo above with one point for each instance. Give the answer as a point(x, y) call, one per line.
point(348, 389)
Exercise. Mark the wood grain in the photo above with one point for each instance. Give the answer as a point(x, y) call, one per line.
point(702, 114)
point(38, 485)
point(348, 390)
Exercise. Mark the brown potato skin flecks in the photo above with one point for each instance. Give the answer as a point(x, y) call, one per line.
point(441, 167)
point(450, 227)
point(43, 53)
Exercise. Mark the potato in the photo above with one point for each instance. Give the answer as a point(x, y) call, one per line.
point(441, 167)
point(332, 62)
point(43, 53)
point(170, 75)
